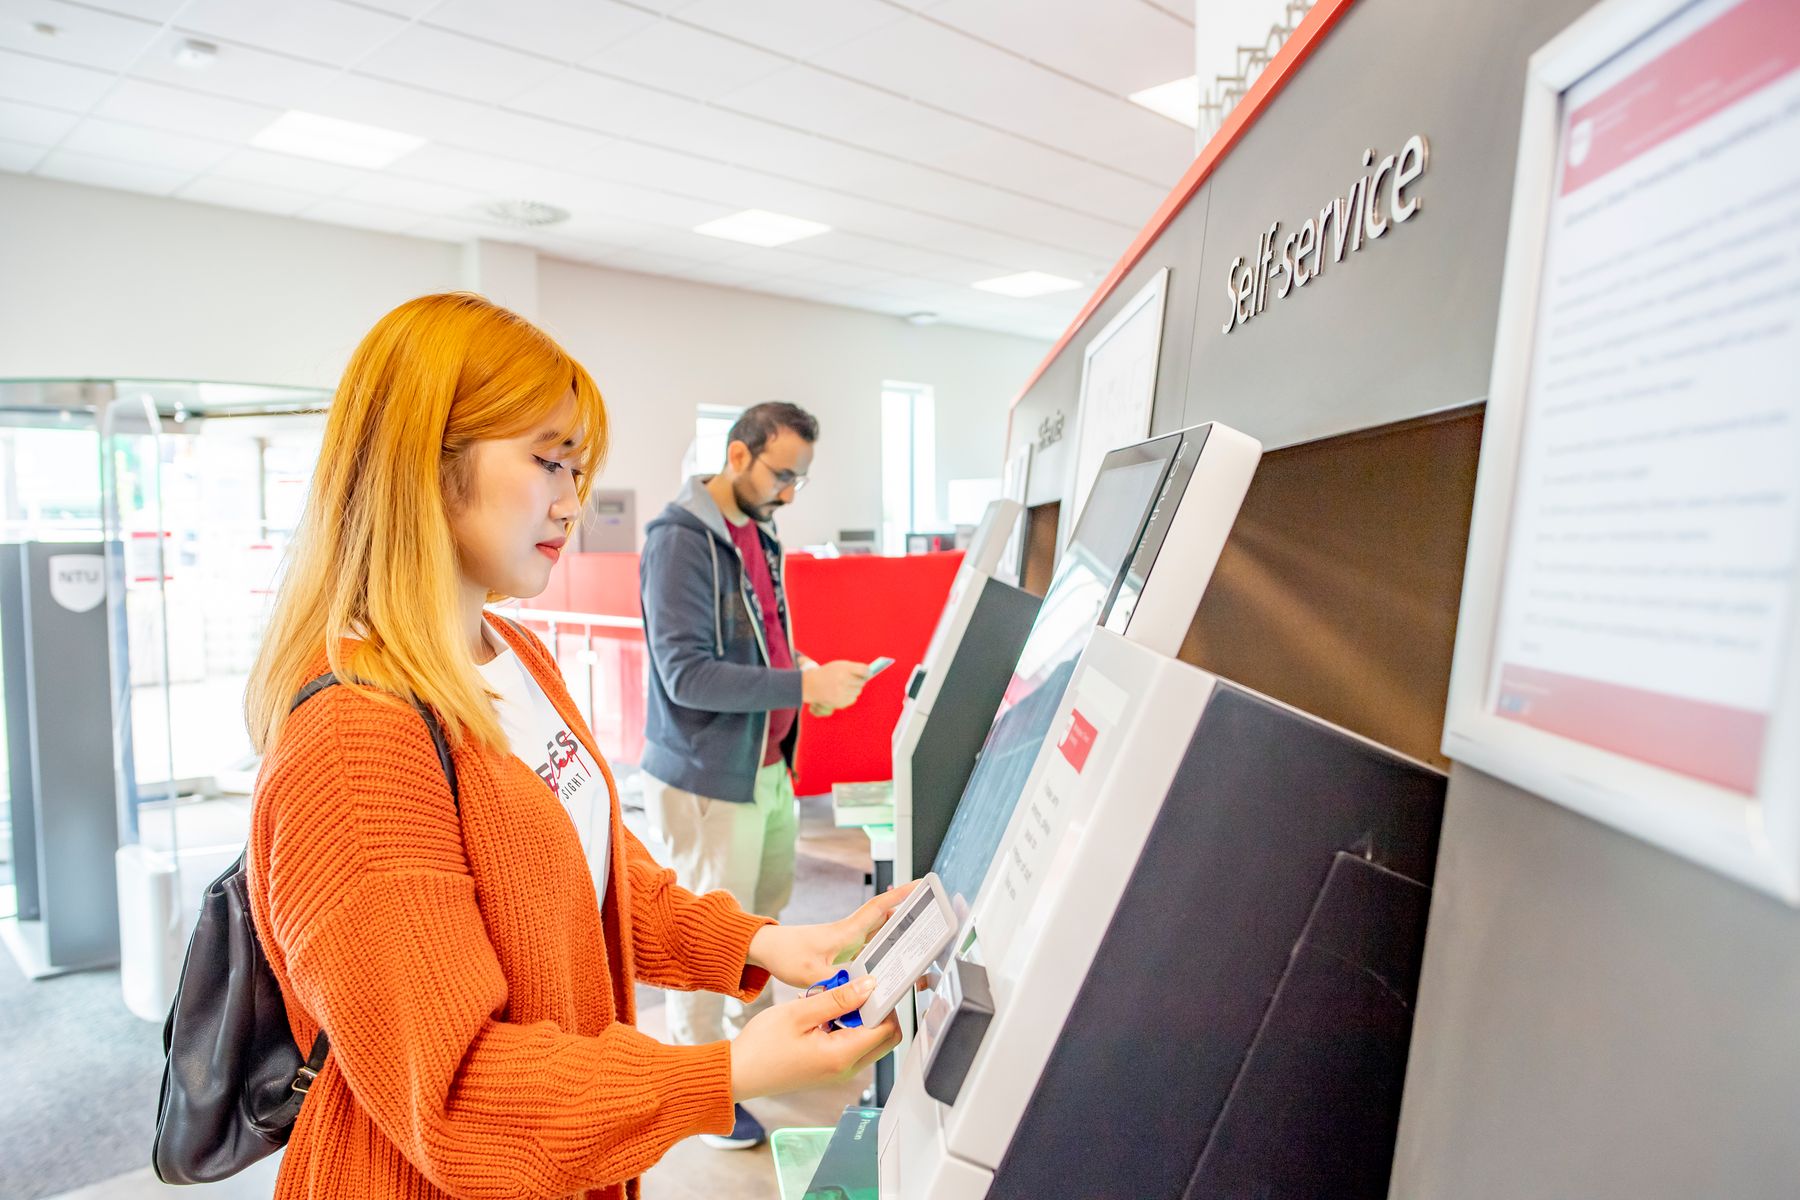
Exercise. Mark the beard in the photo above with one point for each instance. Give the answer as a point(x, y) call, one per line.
point(755, 510)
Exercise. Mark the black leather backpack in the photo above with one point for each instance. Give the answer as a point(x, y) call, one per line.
point(234, 1080)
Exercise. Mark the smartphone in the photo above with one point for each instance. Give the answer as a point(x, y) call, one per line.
point(878, 666)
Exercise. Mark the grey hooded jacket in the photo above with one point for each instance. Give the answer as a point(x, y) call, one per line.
point(711, 685)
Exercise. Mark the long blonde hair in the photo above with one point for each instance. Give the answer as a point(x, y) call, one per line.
point(373, 557)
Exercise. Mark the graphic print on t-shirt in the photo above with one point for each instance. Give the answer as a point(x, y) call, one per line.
point(564, 767)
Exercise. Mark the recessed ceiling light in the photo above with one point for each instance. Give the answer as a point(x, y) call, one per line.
point(1028, 283)
point(348, 142)
point(759, 228)
point(194, 54)
point(1178, 100)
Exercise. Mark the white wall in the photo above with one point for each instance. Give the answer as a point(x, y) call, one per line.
point(105, 284)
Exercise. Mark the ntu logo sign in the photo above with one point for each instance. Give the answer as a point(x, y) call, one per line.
point(77, 581)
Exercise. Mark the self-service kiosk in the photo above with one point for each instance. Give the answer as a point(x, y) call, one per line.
point(954, 691)
point(1195, 924)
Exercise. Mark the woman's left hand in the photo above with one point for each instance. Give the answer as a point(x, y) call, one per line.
point(802, 955)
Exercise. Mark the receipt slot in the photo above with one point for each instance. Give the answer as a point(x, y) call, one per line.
point(1201, 940)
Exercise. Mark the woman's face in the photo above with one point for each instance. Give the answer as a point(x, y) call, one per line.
point(520, 502)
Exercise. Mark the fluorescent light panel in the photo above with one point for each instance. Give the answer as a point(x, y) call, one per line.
point(756, 227)
point(1027, 284)
point(328, 139)
point(1178, 100)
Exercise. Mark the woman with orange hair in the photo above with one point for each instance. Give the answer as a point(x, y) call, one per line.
point(471, 963)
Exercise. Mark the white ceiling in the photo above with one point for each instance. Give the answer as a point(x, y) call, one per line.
point(945, 141)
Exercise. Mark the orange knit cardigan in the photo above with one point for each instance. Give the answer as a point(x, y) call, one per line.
point(478, 995)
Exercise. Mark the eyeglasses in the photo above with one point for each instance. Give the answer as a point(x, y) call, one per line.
point(787, 479)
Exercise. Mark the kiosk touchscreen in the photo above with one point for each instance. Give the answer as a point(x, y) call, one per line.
point(953, 692)
point(1129, 514)
point(1189, 963)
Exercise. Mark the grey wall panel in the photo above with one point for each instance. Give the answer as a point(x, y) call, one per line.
point(1404, 325)
point(1058, 390)
point(1598, 1020)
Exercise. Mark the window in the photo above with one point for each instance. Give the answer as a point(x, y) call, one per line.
point(712, 428)
point(908, 463)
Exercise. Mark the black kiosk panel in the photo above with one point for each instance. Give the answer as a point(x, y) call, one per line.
point(1243, 1029)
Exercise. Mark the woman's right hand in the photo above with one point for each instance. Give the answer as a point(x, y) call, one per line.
point(787, 1047)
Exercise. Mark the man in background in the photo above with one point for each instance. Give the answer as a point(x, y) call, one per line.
point(726, 686)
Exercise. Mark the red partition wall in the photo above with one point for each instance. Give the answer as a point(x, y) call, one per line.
point(862, 607)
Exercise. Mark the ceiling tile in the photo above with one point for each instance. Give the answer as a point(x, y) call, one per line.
point(403, 8)
point(58, 85)
point(287, 171)
point(454, 229)
point(805, 97)
point(417, 195)
point(147, 147)
point(455, 65)
point(989, 85)
point(162, 107)
point(602, 229)
point(361, 216)
point(150, 10)
point(554, 28)
point(321, 30)
point(83, 37)
point(19, 157)
point(695, 247)
point(354, 97)
point(606, 104)
point(447, 164)
point(232, 193)
point(32, 124)
point(106, 172)
point(839, 274)
point(530, 139)
point(797, 28)
point(680, 58)
point(239, 73)
point(1122, 48)
point(715, 133)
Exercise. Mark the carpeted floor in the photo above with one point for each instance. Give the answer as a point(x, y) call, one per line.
point(81, 1079)
point(80, 1074)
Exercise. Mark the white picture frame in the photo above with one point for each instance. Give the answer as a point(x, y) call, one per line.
point(1118, 390)
point(1754, 839)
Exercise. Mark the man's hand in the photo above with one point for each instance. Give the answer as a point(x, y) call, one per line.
point(834, 684)
point(787, 1047)
point(802, 955)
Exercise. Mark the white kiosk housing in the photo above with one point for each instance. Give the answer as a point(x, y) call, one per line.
point(954, 690)
point(1188, 965)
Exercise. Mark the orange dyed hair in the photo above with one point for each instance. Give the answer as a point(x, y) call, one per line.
point(373, 558)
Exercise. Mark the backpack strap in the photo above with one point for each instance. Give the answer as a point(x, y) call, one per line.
point(438, 740)
point(315, 1061)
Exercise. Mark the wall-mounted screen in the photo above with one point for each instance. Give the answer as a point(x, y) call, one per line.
point(1628, 642)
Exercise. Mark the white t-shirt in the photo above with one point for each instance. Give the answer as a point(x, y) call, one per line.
point(543, 741)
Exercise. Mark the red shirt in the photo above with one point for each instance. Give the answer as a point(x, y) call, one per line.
point(781, 655)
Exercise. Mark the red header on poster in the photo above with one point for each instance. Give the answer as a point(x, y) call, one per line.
point(1744, 50)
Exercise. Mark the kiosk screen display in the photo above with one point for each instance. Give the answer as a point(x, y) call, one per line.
point(1111, 523)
